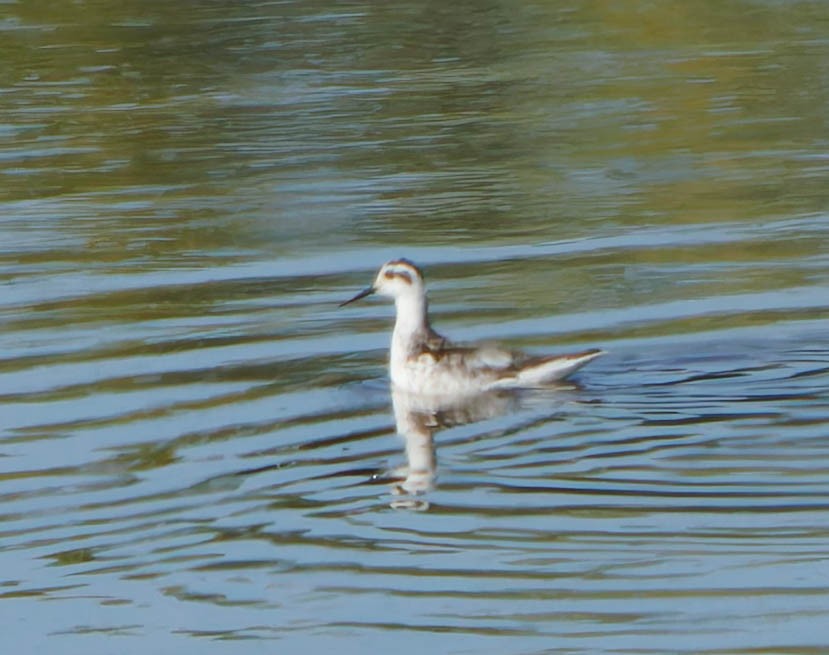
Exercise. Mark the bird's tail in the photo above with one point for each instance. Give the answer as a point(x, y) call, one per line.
point(544, 370)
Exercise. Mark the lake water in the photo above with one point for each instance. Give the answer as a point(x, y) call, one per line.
point(199, 452)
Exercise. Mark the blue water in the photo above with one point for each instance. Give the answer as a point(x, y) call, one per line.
point(198, 448)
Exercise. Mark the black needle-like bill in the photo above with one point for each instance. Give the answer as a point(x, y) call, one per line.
point(362, 294)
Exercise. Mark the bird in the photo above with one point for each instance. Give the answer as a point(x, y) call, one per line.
point(422, 361)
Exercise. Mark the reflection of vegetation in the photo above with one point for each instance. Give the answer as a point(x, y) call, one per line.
point(74, 556)
point(476, 120)
point(145, 457)
point(159, 136)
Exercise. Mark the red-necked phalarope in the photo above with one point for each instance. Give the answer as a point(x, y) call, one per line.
point(422, 361)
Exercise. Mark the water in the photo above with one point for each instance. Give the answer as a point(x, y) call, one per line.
point(198, 447)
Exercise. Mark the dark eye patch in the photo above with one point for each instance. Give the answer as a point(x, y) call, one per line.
point(403, 275)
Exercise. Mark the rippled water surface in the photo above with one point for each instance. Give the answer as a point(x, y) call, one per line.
point(199, 452)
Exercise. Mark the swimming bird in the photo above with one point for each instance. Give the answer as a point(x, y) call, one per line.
point(423, 361)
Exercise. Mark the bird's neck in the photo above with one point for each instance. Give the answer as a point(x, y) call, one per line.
point(412, 321)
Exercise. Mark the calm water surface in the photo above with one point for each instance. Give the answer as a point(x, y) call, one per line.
point(200, 453)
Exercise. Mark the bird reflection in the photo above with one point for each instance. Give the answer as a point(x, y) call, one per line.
point(418, 417)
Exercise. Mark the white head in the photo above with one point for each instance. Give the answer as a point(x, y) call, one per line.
point(399, 279)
